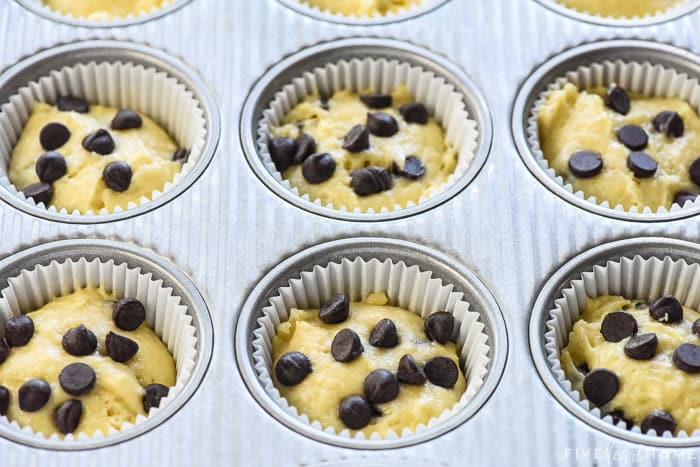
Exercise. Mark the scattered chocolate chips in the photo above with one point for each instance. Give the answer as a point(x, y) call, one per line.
point(292, 368)
point(684, 196)
point(335, 310)
point(126, 119)
point(642, 164)
point(53, 136)
point(669, 123)
point(153, 393)
point(120, 348)
point(128, 313)
point(370, 180)
point(305, 146)
point(18, 330)
point(415, 112)
point(617, 326)
point(181, 154)
point(100, 142)
point(34, 394)
point(79, 341)
point(441, 371)
point(409, 372)
point(67, 416)
point(413, 168)
point(384, 334)
point(633, 136)
point(40, 192)
point(4, 400)
point(585, 164)
point(117, 176)
point(381, 386)
point(440, 326)
point(346, 346)
point(355, 412)
point(282, 151)
point(696, 327)
point(659, 421)
point(77, 379)
point(642, 346)
point(72, 104)
point(619, 416)
point(617, 99)
point(4, 351)
point(694, 171)
point(381, 124)
point(50, 166)
point(687, 358)
point(318, 168)
point(600, 386)
point(357, 139)
point(376, 100)
point(666, 309)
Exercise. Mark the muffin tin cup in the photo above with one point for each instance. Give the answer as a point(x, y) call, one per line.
point(175, 311)
point(115, 74)
point(414, 278)
point(357, 64)
point(642, 268)
point(642, 67)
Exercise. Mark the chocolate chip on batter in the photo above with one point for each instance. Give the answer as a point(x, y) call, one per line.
point(153, 393)
point(335, 310)
point(684, 196)
point(355, 412)
point(126, 119)
point(99, 141)
point(384, 334)
point(72, 104)
point(305, 146)
point(117, 176)
point(642, 164)
point(4, 350)
point(670, 123)
point(50, 166)
point(413, 168)
point(619, 416)
point(67, 416)
point(4, 400)
point(687, 358)
point(18, 330)
point(694, 171)
point(77, 379)
point(34, 394)
point(370, 180)
point(128, 313)
point(666, 309)
point(346, 346)
point(381, 386)
point(381, 124)
point(583, 369)
point(40, 192)
point(376, 100)
point(617, 326)
point(441, 371)
point(585, 164)
point(440, 326)
point(409, 372)
point(325, 104)
point(696, 327)
point(659, 421)
point(79, 341)
point(617, 99)
point(633, 136)
point(282, 151)
point(357, 139)
point(292, 368)
point(181, 154)
point(120, 348)
point(642, 346)
point(53, 136)
point(415, 112)
point(318, 168)
point(600, 386)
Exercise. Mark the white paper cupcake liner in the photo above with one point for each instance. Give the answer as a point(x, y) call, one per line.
point(668, 13)
point(641, 78)
point(634, 278)
point(165, 314)
point(444, 103)
point(39, 5)
point(407, 287)
point(146, 90)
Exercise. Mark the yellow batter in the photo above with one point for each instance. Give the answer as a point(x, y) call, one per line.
point(319, 394)
point(102, 10)
point(573, 120)
point(645, 385)
point(148, 150)
point(363, 7)
point(118, 392)
point(621, 8)
point(328, 127)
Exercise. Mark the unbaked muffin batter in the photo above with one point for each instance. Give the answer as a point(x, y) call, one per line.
point(101, 10)
point(621, 8)
point(363, 7)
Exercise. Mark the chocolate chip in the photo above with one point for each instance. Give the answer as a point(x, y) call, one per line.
point(117, 176)
point(79, 341)
point(77, 379)
point(659, 421)
point(415, 112)
point(633, 136)
point(409, 372)
point(376, 100)
point(126, 119)
point(67, 416)
point(128, 313)
point(619, 416)
point(4, 400)
point(335, 310)
point(684, 196)
point(670, 123)
point(600, 386)
point(617, 99)
point(370, 180)
point(34, 394)
point(696, 327)
point(40, 192)
point(72, 104)
point(4, 350)
point(357, 139)
point(585, 164)
point(384, 334)
point(694, 171)
point(642, 164)
point(687, 358)
point(181, 154)
point(120, 348)
point(18, 330)
point(666, 309)
point(100, 142)
point(642, 346)
point(413, 168)
point(381, 386)
point(50, 166)
point(292, 368)
point(381, 124)
point(153, 393)
point(282, 151)
point(583, 369)
point(440, 326)
point(305, 146)
point(355, 412)
point(617, 326)
point(325, 104)
point(53, 136)
point(441, 371)
point(318, 168)
point(346, 346)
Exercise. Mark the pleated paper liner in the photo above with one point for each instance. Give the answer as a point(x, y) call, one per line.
point(409, 11)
